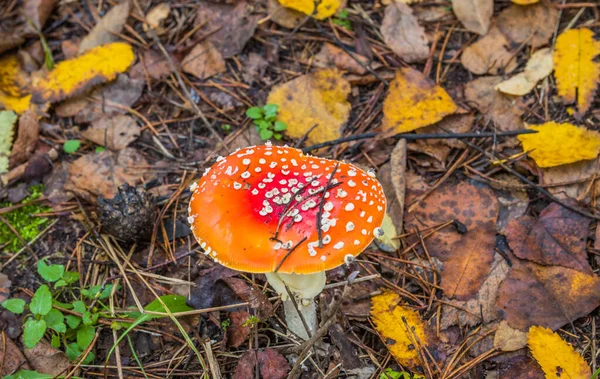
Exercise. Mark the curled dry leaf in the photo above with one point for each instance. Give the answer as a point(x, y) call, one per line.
point(331, 56)
point(537, 68)
point(315, 100)
point(403, 34)
point(509, 339)
point(325, 8)
point(37, 12)
point(116, 133)
point(157, 15)
point(475, 15)
point(555, 144)
point(203, 61)
point(533, 24)
point(414, 101)
point(107, 29)
point(47, 360)
point(563, 362)
point(489, 55)
point(74, 76)
point(575, 68)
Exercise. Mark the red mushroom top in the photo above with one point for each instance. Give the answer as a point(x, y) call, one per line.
point(274, 209)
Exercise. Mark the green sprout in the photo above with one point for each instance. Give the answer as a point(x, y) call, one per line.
point(342, 20)
point(265, 120)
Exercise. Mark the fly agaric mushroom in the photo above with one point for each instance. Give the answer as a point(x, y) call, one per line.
point(274, 210)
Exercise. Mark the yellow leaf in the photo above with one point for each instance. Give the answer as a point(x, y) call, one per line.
point(525, 2)
point(557, 358)
point(392, 321)
point(15, 104)
point(576, 72)
point(538, 67)
point(413, 102)
point(13, 81)
point(557, 144)
point(74, 76)
point(317, 99)
point(326, 8)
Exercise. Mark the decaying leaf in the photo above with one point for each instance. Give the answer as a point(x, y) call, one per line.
point(533, 24)
point(238, 331)
point(157, 15)
point(37, 12)
point(557, 237)
point(325, 8)
point(401, 328)
point(47, 360)
point(71, 77)
point(13, 357)
point(509, 339)
point(272, 364)
point(15, 104)
point(550, 296)
point(538, 67)
point(489, 55)
point(557, 358)
point(555, 144)
point(441, 148)
point(414, 101)
point(7, 124)
point(13, 80)
point(573, 180)
point(575, 69)
point(27, 138)
point(475, 15)
point(315, 100)
point(116, 133)
point(107, 29)
point(331, 56)
point(203, 61)
point(282, 16)
point(403, 34)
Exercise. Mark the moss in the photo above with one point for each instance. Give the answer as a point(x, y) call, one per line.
point(20, 219)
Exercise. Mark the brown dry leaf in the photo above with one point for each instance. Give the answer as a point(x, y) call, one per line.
point(576, 69)
point(273, 365)
point(537, 68)
point(237, 332)
point(331, 56)
point(573, 180)
point(282, 16)
point(509, 339)
point(10, 40)
point(519, 367)
point(403, 34)
point(317, 99)
point(228, 27)
point(37, 11)
point(107, 29)
point(557, 358)
point(550, 296)
point(534, 24)
point(74, 76)
point(100, 174)
point(12, 357)
point(467, 267)
point(475, 15)
point(414, 101)
point(27, 138)
point(504, 110)
point(154, 64)
point(116, 133)
point(557, 237)
point(5, 283)
point(441, 148)
point(489, 55)
point(203, 61)
point(47, 360)
point(156, 16)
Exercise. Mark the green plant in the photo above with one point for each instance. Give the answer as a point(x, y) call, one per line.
point(28, 374)
point(225, 324)
point(251, 321)
point(226, 128)
point(265, 120)
point(71, 146)
point(392, 374)
point(342, 20)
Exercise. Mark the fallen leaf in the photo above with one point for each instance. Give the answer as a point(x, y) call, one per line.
point(282, 16)
point(358, 303)
point(157, 15)
point(153, 64)
point(400, 327)
point(576, 71)
point(414, 101)
point(325, 8)
point(116, 133)
point(15, 104)
point(273, 365)
point(532, 24)
point(27, 138)
point(210, 290)
point(509, 339)
point(71, 77)
point(441, 148)
point(5, 283)
point(556, 238)
point(10, 40)
point(237, 332)
point(227, 27)
point(557, 358)
point(101, 174)
point(345, 347)
point(7, 132)
point(573, 180)
point(317, 99)
point(245, 366)
point(258, 301)
point(537, 68)
point(403, 34)
point(555, 144)
point(37, 12)
point(331, 56)
point(254, 66)
point(475, 15)
point(550, 296)
point(203, 61)
point(107, 29)
point(467, 267)
point(13, 80)
point(525, 2)
point(47, 360)
point(12, 357)
point(489, 55)
point(520, 367)
point(504, 110)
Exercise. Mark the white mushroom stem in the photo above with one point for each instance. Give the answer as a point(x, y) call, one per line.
point(304, 288)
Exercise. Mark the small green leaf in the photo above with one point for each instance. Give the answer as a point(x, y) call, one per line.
point(55, 321)
point(41, 303)
point(277, 136)
point(270, 118)
point(50, 273)
point(28, 374)
point(73, 351)
point(100, 149)
point(254, 113)
point(60, 283)
point(79, 306)
point(70, 277)
point(265, 134)
point(62, 305)
point(262, 124)
point(271, 109)
point(73, 321)
point(85, 336)
point(226, 127)
point(16, 306)
point(71, 146)
point(33, 332)
point(279, 126)
point(55, 341)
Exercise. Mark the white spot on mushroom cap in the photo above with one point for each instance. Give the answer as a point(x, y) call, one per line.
point(339, 245)
point(349, 207)
point(246, 161)
point(349, 226)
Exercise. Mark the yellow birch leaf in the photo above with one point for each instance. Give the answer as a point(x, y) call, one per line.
point(525, 2)
point(74, 76)
point(537, 68)
point(414, 101)
point(16, 104)
point(389, 317)
point(555, 356)
point(556, 144)
point(326, 8)
point(13, 81)
point(576, 73)
point(315, 100)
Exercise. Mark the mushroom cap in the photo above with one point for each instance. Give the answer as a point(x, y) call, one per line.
point(256, 211)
